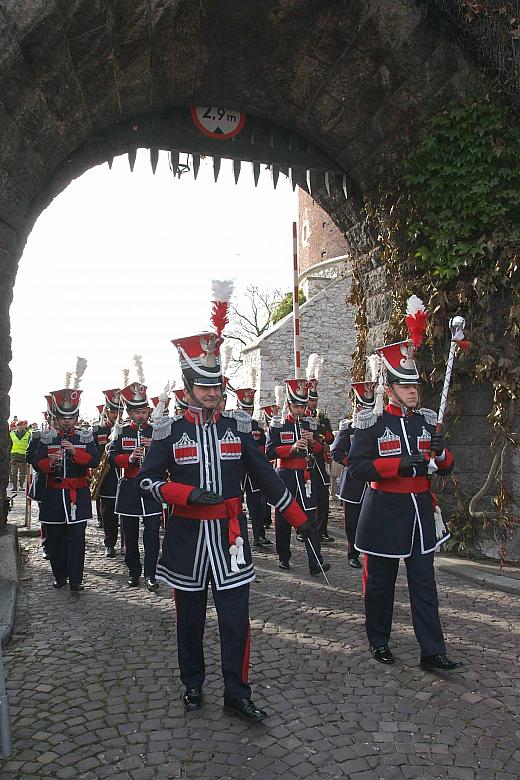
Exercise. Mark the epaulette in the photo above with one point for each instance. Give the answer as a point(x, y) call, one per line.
point(429, 415)
point(36, 433)
point(86, 436)
point(48, 435)
point(95, 428)
point(313, 423)
point(161, 428)
point(366, 418)
point(344, 424)
point(243, 419)
point(276, 422)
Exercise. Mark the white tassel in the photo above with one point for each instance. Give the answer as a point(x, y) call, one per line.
point(380, 401)
point(440, 528)
point(432, 466)
point(233, 551)
point(158, 412)
point(240, 557)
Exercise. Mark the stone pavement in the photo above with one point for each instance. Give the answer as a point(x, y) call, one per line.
point(94, 689)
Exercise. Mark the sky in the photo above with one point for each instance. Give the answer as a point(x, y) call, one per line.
point(120, 263)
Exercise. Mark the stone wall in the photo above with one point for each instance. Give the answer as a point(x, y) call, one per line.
point(327, 327)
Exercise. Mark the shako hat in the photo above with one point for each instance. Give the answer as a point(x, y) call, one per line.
point(180, 399)
point(269, 411)
point(297, 391)
point(155, 400)
point(245, 397)
point(113, 400)
point(364, 393)
point(199, 357)
point(134, 396)
point(65, 403)
point(100, 408)
point(398, 359)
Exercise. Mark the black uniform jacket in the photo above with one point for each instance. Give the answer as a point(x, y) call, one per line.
point(248, 483)
point(66, 498)
point(394, 507)
point(292, 468)
point(108, 487)
point(38, 481)
point(325, 436)
point(129, 501)
point(210, 455)
point(349, 489)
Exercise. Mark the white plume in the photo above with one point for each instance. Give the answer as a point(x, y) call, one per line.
point(226, 353)
point(374, 366)
point(68, 377)
point(81, 365)
point(126, 376)
point(311, 365)
point(221, 290)
point(319, 368)
point(138, 362)
point(414, 304)
point(279, 394)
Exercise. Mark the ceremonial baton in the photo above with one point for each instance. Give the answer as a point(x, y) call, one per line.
point(319, 562)
point(457, 325)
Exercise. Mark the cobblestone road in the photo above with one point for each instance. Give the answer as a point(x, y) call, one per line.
point(94, 689)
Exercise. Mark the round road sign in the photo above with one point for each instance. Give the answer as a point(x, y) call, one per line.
point(221, 123)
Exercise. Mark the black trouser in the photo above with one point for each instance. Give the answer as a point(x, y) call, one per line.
point(105, 511)
point(256, 511)
point(283, 540)
point(379, 579)
point(322, 495)
point(65, 543)
point(232, 607)
point(351, 520)
point(130, 527)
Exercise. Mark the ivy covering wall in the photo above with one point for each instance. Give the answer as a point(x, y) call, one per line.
point(448, 228)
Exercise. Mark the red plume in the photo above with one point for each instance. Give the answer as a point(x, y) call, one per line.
point(221, 294)
point(416, 316)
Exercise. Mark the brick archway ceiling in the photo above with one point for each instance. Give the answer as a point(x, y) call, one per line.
point(348, 77)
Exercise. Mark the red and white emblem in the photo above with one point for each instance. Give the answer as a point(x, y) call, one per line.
point(186, 450)
point(424, 441)
point(389, 443)
point(286, 437)
point(102, 438)
point(230, 446)
point(256, 435)
point(128, 443)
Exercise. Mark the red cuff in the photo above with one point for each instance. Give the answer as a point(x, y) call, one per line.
point(315, 446)
point(344, 462)
point(329, 437)
point(45, 465)
point(284, 451)
point(447, 463)
point(122, 461)
point(294, 514)
point(387, 467)
point(82, 457)
point(176, 493)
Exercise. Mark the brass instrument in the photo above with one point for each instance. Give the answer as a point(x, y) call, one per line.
point(97, 475)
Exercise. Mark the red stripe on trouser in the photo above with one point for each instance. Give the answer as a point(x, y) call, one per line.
point(247, 651)
point(365, 575)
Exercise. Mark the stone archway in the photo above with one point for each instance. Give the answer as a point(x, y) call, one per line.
point(350, 77)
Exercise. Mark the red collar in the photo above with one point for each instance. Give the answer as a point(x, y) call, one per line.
point(66, 433)
point(194, 414)
point(396, 411)
point(290, 419)
point(135, 425)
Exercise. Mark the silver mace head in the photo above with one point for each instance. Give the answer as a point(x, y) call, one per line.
point(457, 325)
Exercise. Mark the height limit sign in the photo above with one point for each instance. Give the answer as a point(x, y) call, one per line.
point(222, 123)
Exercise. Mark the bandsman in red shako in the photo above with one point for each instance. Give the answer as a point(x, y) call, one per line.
point(351, 491)
point(165, 404)
point(291, 441)
point(319, 474)
point(391, 452)
point(205, 453)
point(65, 454)
point(256, 503)
point(106, 501)
point(126, 451)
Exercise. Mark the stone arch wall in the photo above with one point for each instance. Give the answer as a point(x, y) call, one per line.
point(351, 76)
